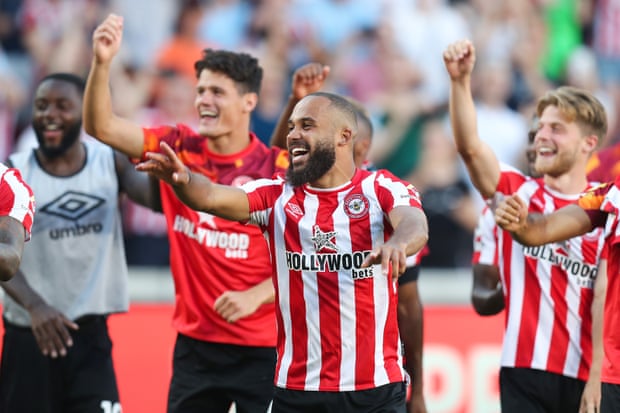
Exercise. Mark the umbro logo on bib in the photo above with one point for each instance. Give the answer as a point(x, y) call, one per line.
point(72, 205)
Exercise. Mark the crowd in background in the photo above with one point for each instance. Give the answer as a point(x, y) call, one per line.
point(386, 54)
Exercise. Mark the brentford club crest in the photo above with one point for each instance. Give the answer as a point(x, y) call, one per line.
point(356, 206)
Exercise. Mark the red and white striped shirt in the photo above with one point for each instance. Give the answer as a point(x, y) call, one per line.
point(485, 239)
point(548, 289)
point(337, 322)
point(16, 198)
point(607, 198)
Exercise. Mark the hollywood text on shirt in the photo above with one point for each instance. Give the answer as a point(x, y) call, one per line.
point(331, 261)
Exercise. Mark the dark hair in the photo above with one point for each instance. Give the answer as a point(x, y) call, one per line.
point(342, 104)
point(75, 80)
point(242, 68)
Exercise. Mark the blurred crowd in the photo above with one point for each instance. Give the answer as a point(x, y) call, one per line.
point(386, 54)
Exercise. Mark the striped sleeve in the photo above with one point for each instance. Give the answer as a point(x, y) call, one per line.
point(17, 199)
point(393, 192)
point(262, 194)
point(485, 239)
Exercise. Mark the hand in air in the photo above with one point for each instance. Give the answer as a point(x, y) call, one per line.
point(107, 38)
point(459, 58)
point(309, 78)
point(165, 165)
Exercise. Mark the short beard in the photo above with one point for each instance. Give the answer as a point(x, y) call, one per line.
point(562, 166)
point(70, 137)
point(321, 160)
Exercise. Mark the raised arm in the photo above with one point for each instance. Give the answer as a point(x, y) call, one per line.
point(538, 229)
point(99, 119)
point(482, 164)
point(307, 79)
point(196, 190)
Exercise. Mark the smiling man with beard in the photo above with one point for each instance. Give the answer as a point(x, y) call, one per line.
point(319, 161)
point(56, 344)
point(55, 138)
point(339, 237)
point(310, 78)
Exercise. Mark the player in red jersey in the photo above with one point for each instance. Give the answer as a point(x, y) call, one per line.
point(16, 215)
point(599, 207)
point(339, 236)
point(549, 296)
point(604, 165)
point(224, 311)
point(310, 78)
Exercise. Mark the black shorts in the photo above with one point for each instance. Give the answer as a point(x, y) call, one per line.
point(82, 381)
point(384, 399)
point(610, 398)
point(410, 274)
point(209, 377)
point(537, 391)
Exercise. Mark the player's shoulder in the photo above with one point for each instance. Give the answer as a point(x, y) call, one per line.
point(378, 174)
point(594, 197)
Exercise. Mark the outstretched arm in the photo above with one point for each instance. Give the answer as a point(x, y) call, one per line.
point(99, 119)
point(194, 189)
point(309, 78)
point(481, 162)
point(538, 229)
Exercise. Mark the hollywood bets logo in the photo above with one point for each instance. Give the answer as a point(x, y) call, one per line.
point(331, 260)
